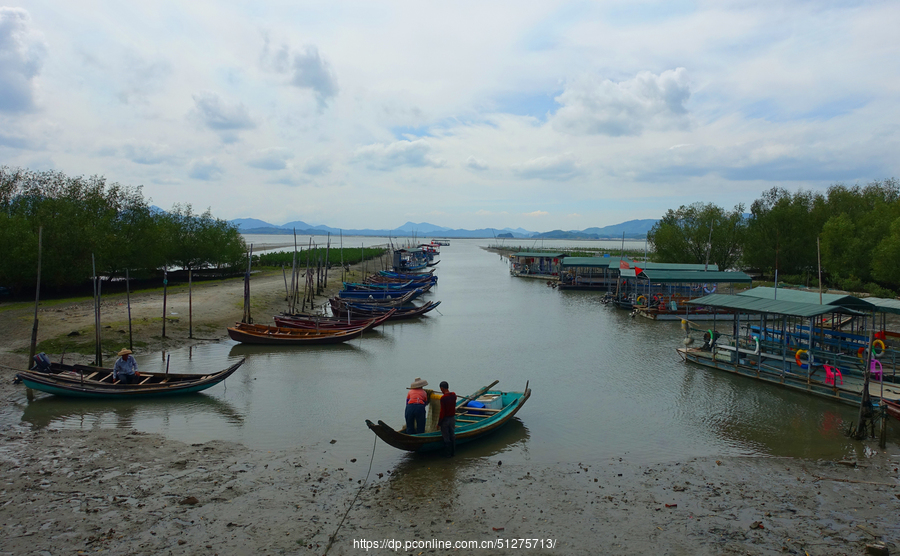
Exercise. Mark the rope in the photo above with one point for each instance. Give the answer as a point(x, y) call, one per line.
point(358, 492)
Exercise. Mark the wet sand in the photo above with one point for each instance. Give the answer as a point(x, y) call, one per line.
point(124, 492)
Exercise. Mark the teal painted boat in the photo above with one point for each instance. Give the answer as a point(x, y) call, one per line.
point(472, 423)
point(84, 381)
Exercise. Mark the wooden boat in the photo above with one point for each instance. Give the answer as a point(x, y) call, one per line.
point(276, 335)
point(471, 423)
point(357, 310)
point(387, 302)
point(408, 276)
point(84, 381)
point(393, 288)
point(319, 322)
point(383, 294)
point(379, 279)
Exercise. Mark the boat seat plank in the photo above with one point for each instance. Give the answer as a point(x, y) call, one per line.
point(458, 420)
point(472, 415)
point(146, 379)
point(90, 376)
point(483, 409)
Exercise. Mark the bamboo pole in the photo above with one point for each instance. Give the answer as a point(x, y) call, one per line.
point(342, 255)
point(165, 294)
point(247, 318)
point(327, 253)
point(37, 299)
point(98, 356)
point(128, 301)
point(190, 306)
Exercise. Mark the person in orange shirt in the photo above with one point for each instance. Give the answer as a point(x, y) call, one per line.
point(416, 401)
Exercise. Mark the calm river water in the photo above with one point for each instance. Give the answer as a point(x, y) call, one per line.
point(604, 385)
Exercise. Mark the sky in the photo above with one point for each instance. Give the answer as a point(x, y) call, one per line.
point(540, 115)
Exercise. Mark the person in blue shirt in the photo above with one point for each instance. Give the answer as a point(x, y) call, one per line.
point(125, 370)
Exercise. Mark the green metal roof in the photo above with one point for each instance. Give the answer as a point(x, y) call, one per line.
point(883, 305)
point(675, 266)
point(596, 262)
point(834, 299)
point(536, 255)
point(696, 277)
point(749, 304)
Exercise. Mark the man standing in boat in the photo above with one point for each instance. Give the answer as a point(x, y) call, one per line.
point(125, 370)
point(447, 420)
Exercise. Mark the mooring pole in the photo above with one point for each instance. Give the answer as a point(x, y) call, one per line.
point(37, 299)
point(165, 291)
point(128, 300)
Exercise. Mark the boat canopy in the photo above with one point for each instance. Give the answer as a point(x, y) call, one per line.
point(537, 255)
point(695, 276)
point(592, 262)
point(812, 298)
point(750, 304)
point(648, 265)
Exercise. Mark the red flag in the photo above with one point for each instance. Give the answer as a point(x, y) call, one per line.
point(637, 271)
point(623, 264)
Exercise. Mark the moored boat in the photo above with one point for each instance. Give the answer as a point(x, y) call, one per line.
point(318, 322)
point(471, 422)
point(342, 309)
point(85, 381)
point(276, 335)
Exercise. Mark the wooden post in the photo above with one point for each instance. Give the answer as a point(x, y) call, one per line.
point(98, 355)
point(327, 252)
point(165, 291)
point(819, 255)
point(190, 306)
point(342, 255)
point(247, 318)
point(865, 403)
point(128, 300)
point(37, 299)
point(286, 291)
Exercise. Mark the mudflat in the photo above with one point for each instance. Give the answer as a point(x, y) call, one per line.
point(118, 491)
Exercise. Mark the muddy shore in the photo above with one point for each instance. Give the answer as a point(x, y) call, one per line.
point(124, 492)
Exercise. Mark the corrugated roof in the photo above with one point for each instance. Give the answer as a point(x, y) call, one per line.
point(696, 277)
point(749, 304)
point(885, 305)
point(675, 266)
point(536, 255)
point(594, 262)
point(784, 294)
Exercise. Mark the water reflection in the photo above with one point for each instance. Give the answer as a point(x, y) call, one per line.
point(249, 350)
point(431, 475)
point(77, 414)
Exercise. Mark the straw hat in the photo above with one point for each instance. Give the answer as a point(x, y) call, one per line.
point(125, 351)
point(418, 383)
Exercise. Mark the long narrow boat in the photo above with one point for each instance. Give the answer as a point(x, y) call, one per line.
point(357, 310)
point(392, 274)
point(384, 294)
point(388, 302)
point(393, 288)
point(318, 322)
point(84, 381)
point(280, 336)
point(471, 422)
point(893, 408)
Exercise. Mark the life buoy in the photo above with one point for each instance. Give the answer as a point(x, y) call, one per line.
point(684, 325)
point(708, 289)
point(861, 353)
point(638, 300)
point(756, 339)
point(800, 363)
point(877, 343)
point(526, 269)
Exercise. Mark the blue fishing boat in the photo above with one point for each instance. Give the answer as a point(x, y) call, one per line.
point(473, 420)
point(85, 381)
point(379, 294)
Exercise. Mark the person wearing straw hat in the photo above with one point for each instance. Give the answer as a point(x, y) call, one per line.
point(416, 401)
point(125, 370)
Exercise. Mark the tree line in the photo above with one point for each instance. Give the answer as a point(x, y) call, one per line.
point(855, 228)
point(85, 222)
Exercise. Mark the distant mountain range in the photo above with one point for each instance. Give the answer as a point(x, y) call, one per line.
point(631, 229)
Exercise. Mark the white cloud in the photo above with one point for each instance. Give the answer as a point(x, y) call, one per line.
point(560, 168)
point(307, 69)
point(399, 153)
point(648, 101)
point(22, 52)
point(476, 164)
point(219, 115)
point(536, 214)
point(271, 159)
point(206, 169)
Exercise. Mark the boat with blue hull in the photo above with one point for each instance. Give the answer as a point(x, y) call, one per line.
point(85, 381)
point(472, 422)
